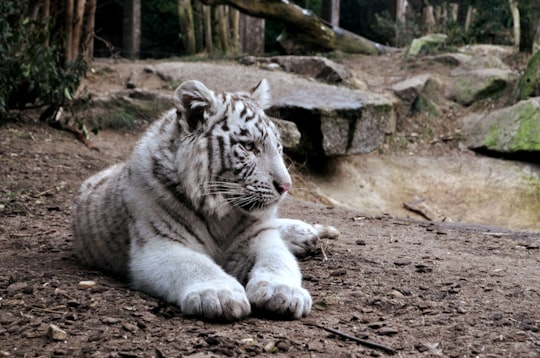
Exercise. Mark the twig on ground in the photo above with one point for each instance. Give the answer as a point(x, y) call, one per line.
point(325, 258)
point(361, 341)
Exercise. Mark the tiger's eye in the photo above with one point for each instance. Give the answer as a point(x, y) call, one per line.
point(249, 146)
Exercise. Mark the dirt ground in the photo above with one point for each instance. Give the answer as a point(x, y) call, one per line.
point(417, 288)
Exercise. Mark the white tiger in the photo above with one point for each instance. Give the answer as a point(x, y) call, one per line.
point(192, 215)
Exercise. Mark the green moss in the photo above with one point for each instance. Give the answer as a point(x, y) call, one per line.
point(425, 105)
point(516, 129)
point(492, 140)
point(528, 135)
point(527, 85)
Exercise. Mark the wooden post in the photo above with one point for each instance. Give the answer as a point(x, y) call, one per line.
point(234, 29)
point(514, 10)
point(471, 11)
point(132, 29)
point(330, 12)
point(251, 35)
point(77, 29)
point(187, 29)
point(207, 16)
point(454, 12)
point(89, 31)
point(429, 19)
point(69, 29)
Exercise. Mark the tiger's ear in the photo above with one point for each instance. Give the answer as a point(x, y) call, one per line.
point(261, 94)
point(192, 99)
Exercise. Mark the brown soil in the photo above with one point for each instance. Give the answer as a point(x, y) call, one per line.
point(420, 288)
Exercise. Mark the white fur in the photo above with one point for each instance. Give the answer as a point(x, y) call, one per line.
point(193, 249)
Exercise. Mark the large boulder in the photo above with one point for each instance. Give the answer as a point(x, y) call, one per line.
point(332, 120)
point(475, 85)
point(337, 121)
point(316, 67)
point(509, 130)
point(478, 62)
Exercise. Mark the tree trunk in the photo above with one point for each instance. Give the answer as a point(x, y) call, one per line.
point(69, 29)
point(429, 19)
point(207, 16)
point(514, 10)
point(187, 27)
point(529, 18)
point(330, 12)
point(536, 41)
point(77, 29)
point(219, 29)
point(198, 24)
point(46, 15)
point(471, 13)
point(132, 28)
point(234, 30)
point(89, 31)
point(304, 31)
point(251, 35)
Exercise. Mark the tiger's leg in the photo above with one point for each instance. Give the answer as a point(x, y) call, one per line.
point(275, 282)
point(188, 279)
point(302, 238)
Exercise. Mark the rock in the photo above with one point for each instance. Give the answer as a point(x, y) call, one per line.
point(332, 120)
point(16, 287)
point(408, 90)
point(130, 327)
point(387, 331)
point(316, 67)
point(425, 105)
point(479, 84)
point(508, 130)
point(426, 44)
point(478, 62)
point(55, 333)
point(529, 82)
point(451, 59)
point(290, 135)
point(87, 284)
point(337, 121)
point(418, 94)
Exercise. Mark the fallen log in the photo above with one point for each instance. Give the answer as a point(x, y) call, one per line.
point(304, 31)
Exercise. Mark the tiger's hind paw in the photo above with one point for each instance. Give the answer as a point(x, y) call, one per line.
point(302, 239)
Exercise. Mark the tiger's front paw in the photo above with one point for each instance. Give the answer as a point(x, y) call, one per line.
point(282, 299)
point(216, 300)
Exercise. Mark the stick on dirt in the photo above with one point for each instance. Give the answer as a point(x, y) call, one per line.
point(361, 341)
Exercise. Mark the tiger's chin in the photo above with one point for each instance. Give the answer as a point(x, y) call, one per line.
point(256, 207)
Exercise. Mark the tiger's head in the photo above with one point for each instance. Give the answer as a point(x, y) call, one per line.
point(236, 155)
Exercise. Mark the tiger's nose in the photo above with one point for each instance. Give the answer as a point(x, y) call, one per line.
point(282, 188)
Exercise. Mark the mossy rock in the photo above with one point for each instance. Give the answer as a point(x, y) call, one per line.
point(529, 82)
point(509, 130)
point(479, 84)
point(428, 44)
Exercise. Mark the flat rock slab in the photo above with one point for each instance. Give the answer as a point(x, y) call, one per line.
point(332, 120)
point(317, 67)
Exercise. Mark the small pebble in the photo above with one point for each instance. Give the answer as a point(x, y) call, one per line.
point(87, 284)
point(55, 333)
point(130, 327)
point(387, 331)
point(17, 286)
